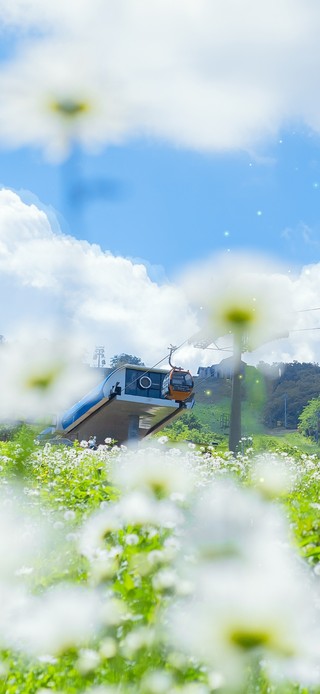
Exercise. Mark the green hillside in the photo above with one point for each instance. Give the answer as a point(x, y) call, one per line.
point(272, 399)
point(212, 402)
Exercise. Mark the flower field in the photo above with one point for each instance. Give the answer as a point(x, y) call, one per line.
point(158, 569)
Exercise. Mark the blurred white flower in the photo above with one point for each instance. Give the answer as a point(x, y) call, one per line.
point(21, 540)
point(216, 680)
point(202, 82)
point(229, 522)
point(143, 637)
point(251, 597)
point(88, 660)
point(108, 648)
point(40, 377)
point(241, 294)
point(104, 689)
point(84, 444)
point(138, 509)
point(272, 475)
point(104, 565)
point(165, 579)
point(69, 515)
point(13, 599)
point(162, 439)
point(114, 612)
point(157, 682)
point(153, 472)
point(66, 616)
point(96, 530)
point(238, 612)
point(131, 539)
point(192, 688)
point(49, 101)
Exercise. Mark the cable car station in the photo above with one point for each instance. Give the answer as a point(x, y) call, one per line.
point(129, 404)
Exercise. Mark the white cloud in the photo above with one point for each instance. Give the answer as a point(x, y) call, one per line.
point(52, 281)
point(299, 235)
point(56, 281)
point(304, 329)
point(204, 74)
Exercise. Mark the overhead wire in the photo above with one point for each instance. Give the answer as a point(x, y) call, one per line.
point(145, 373)
point(216, 348)
point(298, 330)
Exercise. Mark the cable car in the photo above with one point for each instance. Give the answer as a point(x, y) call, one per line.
point(177, 385)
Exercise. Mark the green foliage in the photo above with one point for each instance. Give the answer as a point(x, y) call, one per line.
point(123, 358)
point(269, 393)
point(18, 449)
point(309, 419)
point(7, 431)
point(189, 428)
point(74, 481)
point(297, 384)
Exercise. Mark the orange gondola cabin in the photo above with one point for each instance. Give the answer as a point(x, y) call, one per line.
point(177, 385)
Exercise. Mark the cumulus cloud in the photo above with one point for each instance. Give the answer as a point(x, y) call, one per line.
point(56, 283)
point(299, 235)
point(204, 74)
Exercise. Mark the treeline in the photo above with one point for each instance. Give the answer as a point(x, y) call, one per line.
point(276, 393)
point(288, 392)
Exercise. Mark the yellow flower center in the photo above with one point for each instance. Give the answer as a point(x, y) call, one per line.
point(158, 488)
point(249, 639)
point(42, 381)
point(69, 108)
point(238, 316)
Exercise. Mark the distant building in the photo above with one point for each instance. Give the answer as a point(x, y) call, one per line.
point(206, 371)
point(222, 370)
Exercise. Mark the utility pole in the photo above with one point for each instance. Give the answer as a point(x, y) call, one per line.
point(99, 356)
point(285, 409)
point(202, 340)
point(235, 412)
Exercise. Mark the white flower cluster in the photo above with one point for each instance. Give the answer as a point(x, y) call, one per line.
point(214, 558)
point(251, 598)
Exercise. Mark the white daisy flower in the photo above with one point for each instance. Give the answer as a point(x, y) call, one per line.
point(251, 597)
point(139, 509)
point(243, 612)
point(229, 522)
point(154, 473)
point(40, 377)
point(243, 295)
point(55, 94)
point(96, 530)
point(272, 475)
point(64, 617)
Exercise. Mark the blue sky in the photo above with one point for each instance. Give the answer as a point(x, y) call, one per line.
point(167, 206)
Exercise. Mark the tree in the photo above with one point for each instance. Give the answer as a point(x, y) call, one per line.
point(294, 387)
point(309, 419)
point(120, 359)
point(189, 428)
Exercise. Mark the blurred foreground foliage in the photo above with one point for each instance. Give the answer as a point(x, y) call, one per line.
point(68, 485)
